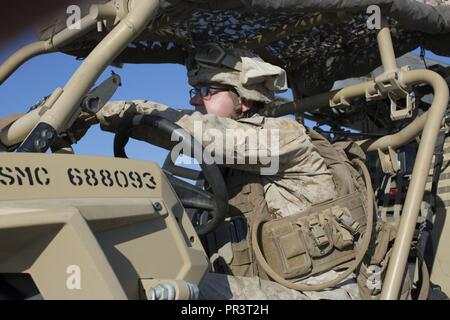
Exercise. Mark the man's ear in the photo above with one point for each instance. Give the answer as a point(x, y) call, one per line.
point(246, 105)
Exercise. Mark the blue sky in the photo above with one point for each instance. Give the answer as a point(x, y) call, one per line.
point(166, 84)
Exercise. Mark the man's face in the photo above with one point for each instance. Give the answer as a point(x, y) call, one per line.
point(213, 100)
point(210, 99)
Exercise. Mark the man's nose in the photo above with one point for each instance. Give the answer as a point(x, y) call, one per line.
point(197, 100)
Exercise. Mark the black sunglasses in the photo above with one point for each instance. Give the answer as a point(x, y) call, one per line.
point(206, 91)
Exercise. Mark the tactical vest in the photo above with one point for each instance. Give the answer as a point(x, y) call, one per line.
point(319, 239)
point(230, 246)
point(373, 269)
point(337, 157)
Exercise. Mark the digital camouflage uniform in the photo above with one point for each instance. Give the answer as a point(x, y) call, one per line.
point(302, 180)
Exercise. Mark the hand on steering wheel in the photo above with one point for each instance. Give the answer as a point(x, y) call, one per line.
point(215, 203)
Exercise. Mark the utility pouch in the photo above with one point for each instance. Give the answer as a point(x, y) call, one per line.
point(241, 264)
point(317, 240)
point(288, 255)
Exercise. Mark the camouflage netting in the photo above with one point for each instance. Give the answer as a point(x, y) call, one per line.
point(318, 42)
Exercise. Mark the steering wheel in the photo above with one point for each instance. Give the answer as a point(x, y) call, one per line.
point(214, 204)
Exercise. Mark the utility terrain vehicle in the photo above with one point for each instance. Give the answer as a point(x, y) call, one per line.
point(76, 227)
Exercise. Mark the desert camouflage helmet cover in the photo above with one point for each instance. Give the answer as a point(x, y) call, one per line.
point(252, 78)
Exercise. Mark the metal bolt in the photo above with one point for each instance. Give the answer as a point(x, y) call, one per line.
point(47, 134)
point(40, 144)
point(162, 292)
point(194, 291)
point(157, 206)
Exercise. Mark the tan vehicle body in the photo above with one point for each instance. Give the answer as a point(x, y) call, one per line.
point(114, 235)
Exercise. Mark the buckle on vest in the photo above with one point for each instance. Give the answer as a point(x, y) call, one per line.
point(318, 233)
point(344, 217)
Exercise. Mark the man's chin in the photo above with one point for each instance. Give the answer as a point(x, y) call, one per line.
point(201, 110)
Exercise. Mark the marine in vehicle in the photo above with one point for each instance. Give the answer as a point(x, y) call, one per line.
point(49, 199)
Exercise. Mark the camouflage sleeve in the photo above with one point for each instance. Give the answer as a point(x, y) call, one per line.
point(261, 145)
point(250, 144)
point(115, 114)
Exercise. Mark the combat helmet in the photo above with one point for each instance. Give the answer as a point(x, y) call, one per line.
point(251, 77)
